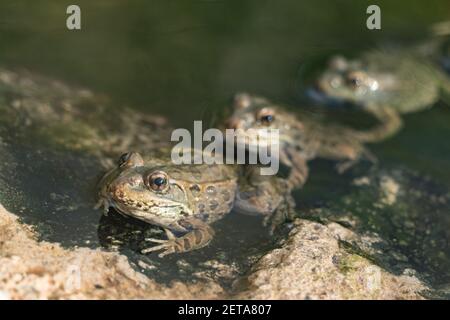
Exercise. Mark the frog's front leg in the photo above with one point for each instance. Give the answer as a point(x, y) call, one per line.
point(269, 196)
point(199, 236)
point(362, 152)
point(284, 212)
point(299, 170)
point(103, 204)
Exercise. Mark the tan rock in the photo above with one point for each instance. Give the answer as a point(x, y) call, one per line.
point(42, 270)
point(311, 264)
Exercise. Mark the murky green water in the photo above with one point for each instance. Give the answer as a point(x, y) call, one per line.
point(185, 60)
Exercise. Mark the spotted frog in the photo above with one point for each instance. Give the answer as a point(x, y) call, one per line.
point(304, 136)
point(185, 199)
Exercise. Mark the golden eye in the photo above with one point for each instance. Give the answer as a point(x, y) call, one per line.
point(266, 116)
point(130, 159)
point(355, 79)
point(157, 181)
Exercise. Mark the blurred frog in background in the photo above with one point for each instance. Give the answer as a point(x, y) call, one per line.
point(401, 80)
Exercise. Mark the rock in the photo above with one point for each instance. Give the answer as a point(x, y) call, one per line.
point(53, 114)
point(390, 189)
point(312, 264)
point(401, 219)
point(41, 270)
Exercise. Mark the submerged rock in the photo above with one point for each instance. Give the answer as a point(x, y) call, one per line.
point(312, 264)
point(46, 112)
point(402, 221)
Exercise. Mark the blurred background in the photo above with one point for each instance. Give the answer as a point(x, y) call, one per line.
point(184, 57)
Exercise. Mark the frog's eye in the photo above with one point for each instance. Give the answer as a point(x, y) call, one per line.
point(355, 79)
point(266, 116)
point(130, 159)
point(157, 181)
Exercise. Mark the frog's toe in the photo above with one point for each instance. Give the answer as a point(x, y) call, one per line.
point(285, 212)
point(168, 247)
point(344, 166)
point(156, 240)
point(167, 251)
point(272, 222)
point(169, 234)
point(98, 205)
point(266, 221)
point(102, 203)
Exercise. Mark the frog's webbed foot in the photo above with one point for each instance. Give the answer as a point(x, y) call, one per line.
point(343, 166)
point(299, 167)
point(367, 154)
point(284, 212)
point(269, 196)
point(285, 206)
point(299, 173)
point(297, 178)
point(195, 239)
point(169, 246)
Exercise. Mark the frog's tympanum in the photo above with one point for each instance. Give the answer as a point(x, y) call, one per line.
point(185, 199)
point(304, 136)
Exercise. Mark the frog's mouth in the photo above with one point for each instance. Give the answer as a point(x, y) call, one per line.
point(125, 205)
point(162, 214)
point(132, 203)
point(117, 206)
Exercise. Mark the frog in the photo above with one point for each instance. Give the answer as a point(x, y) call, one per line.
point(185, 199)
point(402, 80)
point(304, 135)
point(399, 79)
